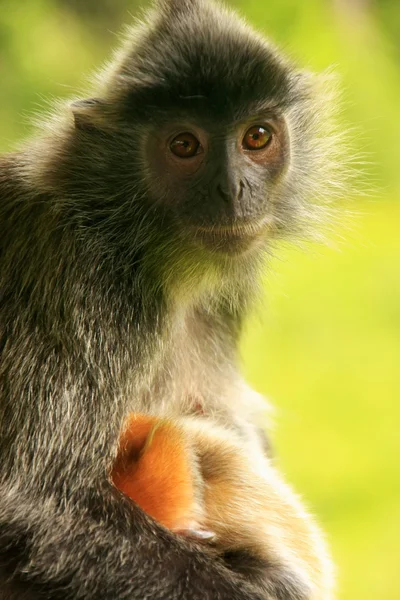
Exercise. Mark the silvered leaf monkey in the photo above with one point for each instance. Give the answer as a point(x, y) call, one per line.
point(133, 231)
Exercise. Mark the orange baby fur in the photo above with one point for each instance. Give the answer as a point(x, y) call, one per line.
point(152, 468)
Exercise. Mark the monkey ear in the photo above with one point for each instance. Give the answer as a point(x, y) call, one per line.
point(88, 114)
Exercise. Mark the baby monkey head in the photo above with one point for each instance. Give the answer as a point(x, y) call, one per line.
point(207, 130)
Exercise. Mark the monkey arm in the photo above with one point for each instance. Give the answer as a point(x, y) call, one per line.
point(65, 532)
point(72, 552)
point(62, 540)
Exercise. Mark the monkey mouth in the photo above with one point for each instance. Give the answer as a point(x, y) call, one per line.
point(231, 239)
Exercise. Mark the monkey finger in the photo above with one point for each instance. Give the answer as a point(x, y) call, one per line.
point(198, 535)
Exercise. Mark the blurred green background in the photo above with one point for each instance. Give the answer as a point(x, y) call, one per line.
point(325, 347)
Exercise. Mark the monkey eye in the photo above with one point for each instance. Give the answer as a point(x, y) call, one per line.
point(185, 145)
point(257, 138)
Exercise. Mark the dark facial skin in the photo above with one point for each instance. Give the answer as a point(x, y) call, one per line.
point(216, 179)
point(126, 269)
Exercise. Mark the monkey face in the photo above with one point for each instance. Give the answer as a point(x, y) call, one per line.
point(218, 180)
point(205, 141)
point(204, 113)
point(214, 142)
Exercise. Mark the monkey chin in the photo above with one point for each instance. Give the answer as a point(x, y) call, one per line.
point(231, 241)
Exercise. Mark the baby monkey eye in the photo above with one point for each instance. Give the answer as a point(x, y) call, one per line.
point(185, 145)
point(257, 138)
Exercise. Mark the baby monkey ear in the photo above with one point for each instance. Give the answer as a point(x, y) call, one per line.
point(89, 114)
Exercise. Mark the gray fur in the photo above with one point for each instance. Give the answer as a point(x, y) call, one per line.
point(105, 307)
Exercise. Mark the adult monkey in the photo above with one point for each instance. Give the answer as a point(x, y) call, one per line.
point(132, 233)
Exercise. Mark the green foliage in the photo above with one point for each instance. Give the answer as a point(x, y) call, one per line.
point(325, 349)
point(326, 346)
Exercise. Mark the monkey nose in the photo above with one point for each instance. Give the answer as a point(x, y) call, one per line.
point(228, 191)
point(228, 195)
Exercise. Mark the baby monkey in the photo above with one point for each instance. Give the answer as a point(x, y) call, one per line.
point(195, 478)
